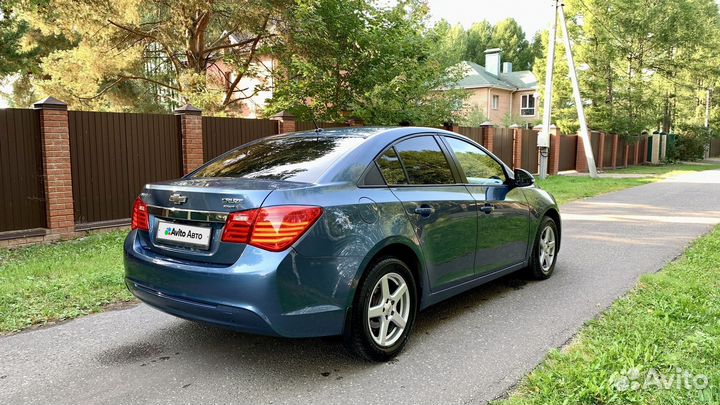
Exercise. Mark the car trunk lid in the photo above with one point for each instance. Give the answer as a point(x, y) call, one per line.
point(200, 207)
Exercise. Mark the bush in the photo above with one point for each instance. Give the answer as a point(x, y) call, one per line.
point(689, 144)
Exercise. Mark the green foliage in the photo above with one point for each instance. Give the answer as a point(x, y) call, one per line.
point(471, 44)
point(510, 37)
point(640, 65)
point(474, 116)
point(379, 63)
point(689, 144)
point(147, 55)
point(12, 57)
point(479, 38)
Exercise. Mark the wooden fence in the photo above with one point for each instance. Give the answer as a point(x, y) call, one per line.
point(568, 149)
point(222, 134)
point(503, 144)
point(529, 157)
point(23, 197)
point(95, 163)
point(715, 147)
point(476, 134)
point(113, 155)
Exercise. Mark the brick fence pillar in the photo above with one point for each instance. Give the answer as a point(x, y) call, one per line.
point(489, 138)
point(286, 122)
point(191, 132)
point(580, 161)
point(517, 148)
point(613, 153)
point(57, 172)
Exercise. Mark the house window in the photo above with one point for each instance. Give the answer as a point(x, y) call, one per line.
point(495, 101)
point(527, 107)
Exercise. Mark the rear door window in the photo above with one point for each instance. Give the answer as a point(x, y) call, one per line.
point(299, 159)
point(424, 161)
point(391, 167)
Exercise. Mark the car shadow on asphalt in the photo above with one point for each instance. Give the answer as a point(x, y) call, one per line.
point(212, 348)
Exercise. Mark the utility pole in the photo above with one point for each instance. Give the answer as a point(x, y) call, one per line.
point(544, 139)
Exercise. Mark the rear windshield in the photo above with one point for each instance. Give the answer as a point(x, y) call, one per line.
point(302, 159)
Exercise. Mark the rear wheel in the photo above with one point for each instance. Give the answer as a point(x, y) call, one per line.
point(384, 311)
point(544, 255)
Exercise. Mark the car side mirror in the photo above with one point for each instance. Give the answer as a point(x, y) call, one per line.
point(523, 178)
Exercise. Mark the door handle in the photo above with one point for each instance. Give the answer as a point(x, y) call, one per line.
point(424, 210)
point(487, 208)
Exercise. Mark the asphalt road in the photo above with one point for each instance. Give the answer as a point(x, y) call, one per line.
point(469, 349)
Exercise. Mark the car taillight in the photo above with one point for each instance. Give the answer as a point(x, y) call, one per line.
point(238, 226)
point(271, 228)
point(140, 216)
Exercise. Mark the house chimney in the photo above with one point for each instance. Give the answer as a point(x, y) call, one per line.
point(492, 61)
point(507, 67)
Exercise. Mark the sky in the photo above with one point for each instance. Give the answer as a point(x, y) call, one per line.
point(532, 15)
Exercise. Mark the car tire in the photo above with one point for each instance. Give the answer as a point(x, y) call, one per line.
point(383, 312)
point(544, 254)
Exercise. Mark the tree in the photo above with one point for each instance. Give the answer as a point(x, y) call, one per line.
point(510, 37)
point(507, 35)
point(479, 38)
point(381, 64)
point(152, 53)
point(12, 58)
point(640, 65)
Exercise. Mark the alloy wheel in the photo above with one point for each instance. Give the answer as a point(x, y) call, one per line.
point(546, 249)
point(389, 309)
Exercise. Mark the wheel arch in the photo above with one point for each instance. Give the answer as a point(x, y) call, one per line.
point(405, 250)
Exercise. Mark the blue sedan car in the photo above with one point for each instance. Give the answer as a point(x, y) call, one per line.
point(346, 231)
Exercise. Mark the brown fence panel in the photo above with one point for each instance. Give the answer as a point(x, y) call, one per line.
point(503, 145)
point(113, 156)
point(595, 144)
point(529, 150)
point(568, 150)
point(715, 147)
point(222, 134)
point(607, 151)
point(621, 152)
point(476, 134)
point(23, 196)
point(309, 125)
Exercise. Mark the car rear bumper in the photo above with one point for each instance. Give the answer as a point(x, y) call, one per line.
point(282, 294)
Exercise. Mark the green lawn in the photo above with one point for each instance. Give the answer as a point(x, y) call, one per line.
point(568, 188)
point(670, 321)
point(47, 283)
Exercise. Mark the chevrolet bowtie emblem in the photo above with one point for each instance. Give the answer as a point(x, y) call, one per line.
point(178, 199)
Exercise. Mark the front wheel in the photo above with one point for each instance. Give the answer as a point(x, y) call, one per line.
point(544, 255)
point(384, 311)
